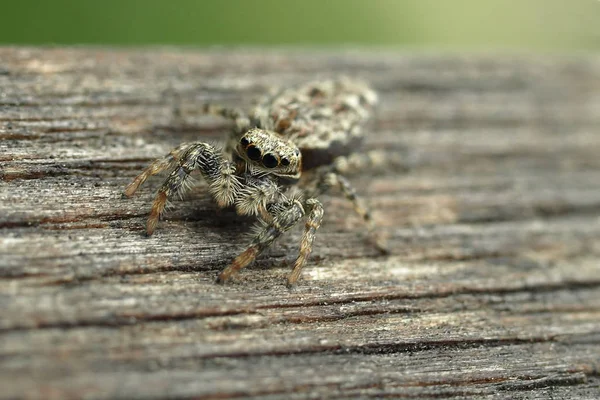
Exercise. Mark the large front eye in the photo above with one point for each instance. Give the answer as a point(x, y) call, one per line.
point(253, 153)
point(270, 161)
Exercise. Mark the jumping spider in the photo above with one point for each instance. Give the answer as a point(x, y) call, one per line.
point(277, 160)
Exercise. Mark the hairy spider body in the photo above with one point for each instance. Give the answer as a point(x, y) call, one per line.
point(289, 132)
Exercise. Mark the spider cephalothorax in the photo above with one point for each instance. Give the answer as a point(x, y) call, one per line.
point(266, 151)
point(289, 131)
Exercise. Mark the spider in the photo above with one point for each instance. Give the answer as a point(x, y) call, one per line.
point(277, 160)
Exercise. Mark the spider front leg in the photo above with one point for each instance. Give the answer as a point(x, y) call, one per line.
point(218, 172)
point(255, 196)
point(158, 166)
point(315, 217)
point(285, 217)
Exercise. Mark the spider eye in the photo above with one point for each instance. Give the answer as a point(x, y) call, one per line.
point(270, 161)
point(245, 142)
point(253, 153)
point(285, 161)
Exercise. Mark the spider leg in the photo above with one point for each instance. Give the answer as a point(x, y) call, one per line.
point(254, 198)
point(225, 112)
point(330, 179)
point(315, 216)
point(283, 220)
point(158, 166)
point(239, 117)
point(218, 172)
point(374, 160)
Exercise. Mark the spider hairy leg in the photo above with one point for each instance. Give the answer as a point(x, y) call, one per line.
point(289, 215)
point(218, 172)
point(253, 199)
point(373, 161)
point(239, 117)
point(313, 222)
point(233, 114)
point(158, 166)
point(331, 179)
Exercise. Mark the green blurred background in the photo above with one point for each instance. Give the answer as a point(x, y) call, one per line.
point(540, 25)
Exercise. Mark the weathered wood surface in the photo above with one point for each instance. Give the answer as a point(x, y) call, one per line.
point(492, 210)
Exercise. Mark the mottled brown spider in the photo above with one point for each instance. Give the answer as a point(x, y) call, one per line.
point(306, 129)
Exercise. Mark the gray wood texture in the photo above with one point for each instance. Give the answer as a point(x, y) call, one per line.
point(491, 204)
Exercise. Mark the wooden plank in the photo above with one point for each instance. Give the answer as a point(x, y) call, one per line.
point(490, 203)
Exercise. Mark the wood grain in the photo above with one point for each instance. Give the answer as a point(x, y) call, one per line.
point(491, 204)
